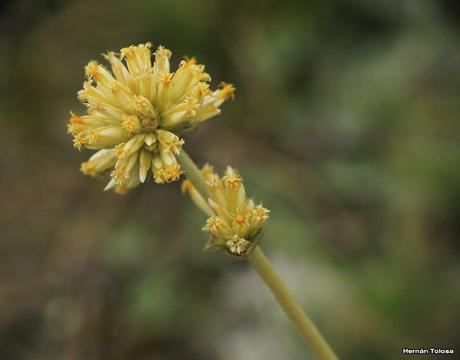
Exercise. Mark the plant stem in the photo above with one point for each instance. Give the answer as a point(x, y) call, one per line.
point(264, 268)
point(291, 307)
point(193, 174)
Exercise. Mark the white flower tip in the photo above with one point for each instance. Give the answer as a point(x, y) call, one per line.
point(110, 185)
point(142, 176)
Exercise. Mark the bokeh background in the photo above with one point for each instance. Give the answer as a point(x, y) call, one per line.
point(345, 124)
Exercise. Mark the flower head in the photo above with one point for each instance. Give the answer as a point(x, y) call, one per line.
point(235, 223)
point(134, 110)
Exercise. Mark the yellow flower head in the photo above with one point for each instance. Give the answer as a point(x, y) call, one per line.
point(134, 110)
point(235, 223)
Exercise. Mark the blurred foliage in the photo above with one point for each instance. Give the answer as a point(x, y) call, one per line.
point(345, 125)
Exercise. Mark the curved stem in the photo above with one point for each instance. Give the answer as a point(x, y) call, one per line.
point(291, 307)
point(193, 173)
point(264, 268)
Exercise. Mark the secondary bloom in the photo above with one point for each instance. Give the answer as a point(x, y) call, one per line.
point(235, 223)
point(134, 110)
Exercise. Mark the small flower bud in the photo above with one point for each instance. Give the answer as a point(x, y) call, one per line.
point(235, 224)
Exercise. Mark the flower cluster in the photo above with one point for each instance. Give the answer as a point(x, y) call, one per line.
point(235, 223)
point(134, 110)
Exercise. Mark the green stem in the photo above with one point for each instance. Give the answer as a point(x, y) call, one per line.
point(291, 307)
point(264, 268)
point(193, 174)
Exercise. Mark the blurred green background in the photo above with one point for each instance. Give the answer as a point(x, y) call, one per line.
point(345, 124)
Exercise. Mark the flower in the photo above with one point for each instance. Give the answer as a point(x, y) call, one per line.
point(235, 223)
point(134, 111)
